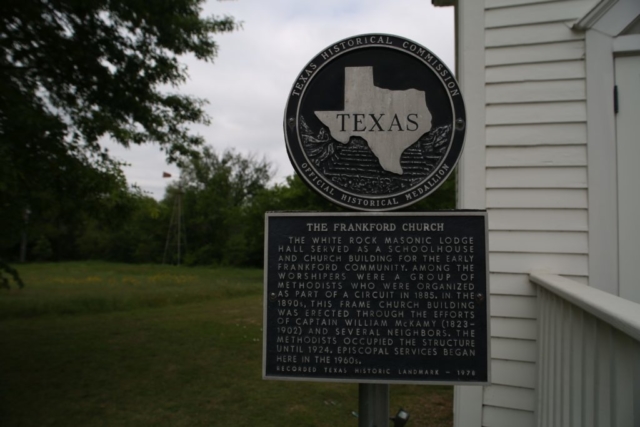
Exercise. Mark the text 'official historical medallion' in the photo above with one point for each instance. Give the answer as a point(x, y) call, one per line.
point(375, 122)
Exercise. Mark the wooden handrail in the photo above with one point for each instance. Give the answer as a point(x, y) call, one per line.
point(620, 313)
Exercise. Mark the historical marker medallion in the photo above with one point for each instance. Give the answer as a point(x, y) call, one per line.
point(375, 122)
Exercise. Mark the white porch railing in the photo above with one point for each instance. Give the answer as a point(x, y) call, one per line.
point(588, 356)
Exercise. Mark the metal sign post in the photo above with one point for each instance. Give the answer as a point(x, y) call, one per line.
point(373, 405)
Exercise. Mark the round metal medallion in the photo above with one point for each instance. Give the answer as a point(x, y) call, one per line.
point(375, 122)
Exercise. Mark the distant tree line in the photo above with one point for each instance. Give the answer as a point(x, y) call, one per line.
point(224, 197)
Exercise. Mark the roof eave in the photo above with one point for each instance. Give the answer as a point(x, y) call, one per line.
point(593, 15)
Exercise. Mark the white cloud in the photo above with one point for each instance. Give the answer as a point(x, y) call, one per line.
point(249, 81)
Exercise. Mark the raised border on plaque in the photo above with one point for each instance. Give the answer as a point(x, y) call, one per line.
point(388, 158)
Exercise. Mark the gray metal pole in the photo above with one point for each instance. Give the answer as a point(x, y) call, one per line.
point(166, 247)
point(179, 222)
point(373, 408)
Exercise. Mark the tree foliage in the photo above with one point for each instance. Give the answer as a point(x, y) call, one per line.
point(7, 270)
point(73, 72)
point(219, 190)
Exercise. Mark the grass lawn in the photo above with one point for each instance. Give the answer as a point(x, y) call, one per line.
point(99, 344)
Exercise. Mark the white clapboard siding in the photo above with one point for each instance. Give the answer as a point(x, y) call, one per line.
point(559, 242)
point(537, 134)
point(510, 397)
point(556, 112)
point(536, 181)
point(537, 198)
point(532, 34)
point(558, 177)
point(535, 53)
point(536, 72)
point(544, 91)
point(500, 262)
point(519, 283)
point(514, 328)
point(505, 417)
point(537, 13)
point(510, 349)
point(509, 372)
point(521, 307)
point(511, 284)
point(560, 155)
point(537, 219)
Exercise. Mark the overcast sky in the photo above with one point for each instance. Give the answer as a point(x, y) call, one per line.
point(248, 83)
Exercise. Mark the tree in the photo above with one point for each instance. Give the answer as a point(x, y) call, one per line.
point(82, 69)
point(75, 71)
point(218, 190)
point(131, 229)
point(57, 208)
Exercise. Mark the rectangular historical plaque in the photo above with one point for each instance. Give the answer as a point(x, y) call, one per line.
point(384, 298)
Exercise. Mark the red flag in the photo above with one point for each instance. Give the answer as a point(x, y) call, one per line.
point(166, 175)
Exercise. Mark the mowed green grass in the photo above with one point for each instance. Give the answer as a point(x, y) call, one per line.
point(99, 344)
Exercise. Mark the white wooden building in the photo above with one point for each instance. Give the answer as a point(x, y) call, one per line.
point(553, 155)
